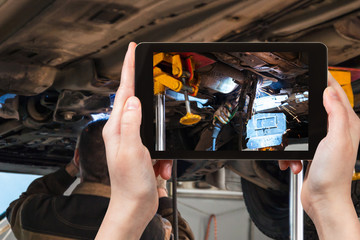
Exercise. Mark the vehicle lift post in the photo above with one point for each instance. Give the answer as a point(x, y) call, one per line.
point(160, 146)
point(296, 213)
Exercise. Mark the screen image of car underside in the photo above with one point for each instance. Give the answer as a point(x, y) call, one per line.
point(234, 101)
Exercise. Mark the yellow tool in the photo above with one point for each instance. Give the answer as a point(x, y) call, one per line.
point(163, 80)
point(189, 118)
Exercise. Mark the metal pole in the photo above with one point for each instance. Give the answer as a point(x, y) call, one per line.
point(295, 210)
point(187, 102)
point(174, 196)
point(160, 146)
point(160, 122)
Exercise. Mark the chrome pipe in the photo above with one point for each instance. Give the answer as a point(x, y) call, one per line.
point(296, 213)
point(160, 122)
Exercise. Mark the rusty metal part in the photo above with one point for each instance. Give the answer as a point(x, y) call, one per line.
point(37, 111)
point(68, 115)
point(10, 125)
point(9, 106)
point(236, 62)
point(349, 28)
point(73, 105)
point(83, 76)
point(220, 77)
point(307, 18)
point(283, 65)
point(25, 79)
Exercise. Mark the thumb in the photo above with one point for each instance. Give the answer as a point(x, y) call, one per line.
point(130, 122)
point(337, 114)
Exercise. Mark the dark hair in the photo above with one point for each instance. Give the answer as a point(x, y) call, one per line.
point(92, 154)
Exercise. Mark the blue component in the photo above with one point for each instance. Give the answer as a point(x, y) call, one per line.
point(4, 97)
point(265, 130)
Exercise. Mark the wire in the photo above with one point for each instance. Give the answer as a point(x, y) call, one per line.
point(212, 216)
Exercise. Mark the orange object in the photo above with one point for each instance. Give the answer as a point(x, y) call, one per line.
point(343, 77)
point(190, 119)
point(212, 216)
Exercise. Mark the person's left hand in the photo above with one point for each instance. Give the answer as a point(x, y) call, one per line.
point(132, 177)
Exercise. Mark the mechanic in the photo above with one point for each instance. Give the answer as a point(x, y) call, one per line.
point(42, 212)
point(326, 192)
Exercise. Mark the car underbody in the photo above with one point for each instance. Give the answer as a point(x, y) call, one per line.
point(60, 65)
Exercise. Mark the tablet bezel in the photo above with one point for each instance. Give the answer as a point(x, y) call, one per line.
point(317, 54)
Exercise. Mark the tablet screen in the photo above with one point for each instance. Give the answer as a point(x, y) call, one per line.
point(239, 101)
point(253, 102)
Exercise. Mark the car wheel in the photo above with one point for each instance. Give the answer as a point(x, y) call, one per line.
point(269, 210)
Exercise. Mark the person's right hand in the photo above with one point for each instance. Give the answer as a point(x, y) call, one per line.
point(326, 191)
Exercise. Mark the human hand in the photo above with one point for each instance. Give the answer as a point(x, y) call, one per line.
point(326, 191)
point(134, 198)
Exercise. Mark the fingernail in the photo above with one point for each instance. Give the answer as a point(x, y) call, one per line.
point(332, 93)
point(132, 103)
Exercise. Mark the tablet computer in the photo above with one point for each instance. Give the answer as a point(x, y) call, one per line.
point(231, 100)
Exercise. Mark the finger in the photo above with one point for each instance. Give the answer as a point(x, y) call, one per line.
point(165, 169)
point(283, 164)
point(337, 113)
point(295, 166)
point(127, 84)
point(130, 123)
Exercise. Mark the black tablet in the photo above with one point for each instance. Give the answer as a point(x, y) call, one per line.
point(231, 100)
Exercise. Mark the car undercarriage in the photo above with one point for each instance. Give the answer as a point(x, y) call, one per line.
point(60, 65)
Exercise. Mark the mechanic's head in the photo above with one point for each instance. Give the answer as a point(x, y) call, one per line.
point(92, 156)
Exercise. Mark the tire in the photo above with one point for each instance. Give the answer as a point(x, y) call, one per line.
point(269, 210)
